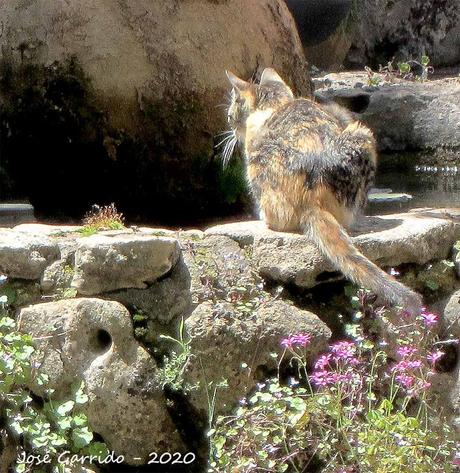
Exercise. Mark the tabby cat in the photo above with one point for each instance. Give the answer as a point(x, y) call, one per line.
point(309, 168)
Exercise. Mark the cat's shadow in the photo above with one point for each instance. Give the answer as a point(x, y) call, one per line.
point(372, 224)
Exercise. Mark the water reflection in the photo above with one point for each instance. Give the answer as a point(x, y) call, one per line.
point(431, 185)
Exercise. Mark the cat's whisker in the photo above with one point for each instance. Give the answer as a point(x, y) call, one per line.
point(229, 137)
point(228, 150)
point(226, 132)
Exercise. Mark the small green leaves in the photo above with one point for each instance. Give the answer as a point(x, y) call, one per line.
point(81, 437)
point(404, 67)
point(64, 408)
point(80, 395)
point(44, 429)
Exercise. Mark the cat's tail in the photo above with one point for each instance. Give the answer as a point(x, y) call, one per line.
point(322, 227)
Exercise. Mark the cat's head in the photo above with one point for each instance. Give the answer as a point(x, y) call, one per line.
point(247, 97)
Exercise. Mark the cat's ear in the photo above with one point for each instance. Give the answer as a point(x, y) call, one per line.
point(237, 83)
point(270, 75)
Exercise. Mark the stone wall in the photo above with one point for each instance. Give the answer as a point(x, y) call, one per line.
point(99, 305)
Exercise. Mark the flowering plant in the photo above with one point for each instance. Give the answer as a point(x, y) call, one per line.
point(362, 406)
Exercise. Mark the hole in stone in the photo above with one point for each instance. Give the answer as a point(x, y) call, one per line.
point(102, 341)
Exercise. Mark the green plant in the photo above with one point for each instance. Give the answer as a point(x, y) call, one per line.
point(361, 409)
point(171, 373)
point(404, 70)
point(102, 218)
point(36, 426)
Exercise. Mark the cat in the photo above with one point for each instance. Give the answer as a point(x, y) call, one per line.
point(309, 168)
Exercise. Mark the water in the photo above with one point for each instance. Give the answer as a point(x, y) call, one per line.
point(430, 184)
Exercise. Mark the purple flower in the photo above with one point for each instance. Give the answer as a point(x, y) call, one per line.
point(298, 340)
point(286, 342)
point(323, 378)
point(343, 350)
point(406, 351)
point(406, 365)
point(429, 318)
point(434, 356)
point(301, 339)
point(405, 380)
point(322, 362)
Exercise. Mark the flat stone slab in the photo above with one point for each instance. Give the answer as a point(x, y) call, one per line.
point(12, 214)
point(44, 229)
point(25, 256)
point(104, 263)
point(390, 240)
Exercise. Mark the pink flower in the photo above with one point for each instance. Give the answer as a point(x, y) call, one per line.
point(406, 351)
point(323, 378)
point(429, 318)
point(434, 356)
point(322, 362)
point(298, 340)
point(406, 365)
point(301, 339)
point(405, 380)
point(343, 350)
point(286, 342)
point(425, 385)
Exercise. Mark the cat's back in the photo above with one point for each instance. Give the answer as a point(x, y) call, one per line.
point(303, 116)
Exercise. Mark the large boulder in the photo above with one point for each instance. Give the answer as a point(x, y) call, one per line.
point(404, 115)
point(326, 28)
point(92, 340)
point(406, 29)
point(135, 111)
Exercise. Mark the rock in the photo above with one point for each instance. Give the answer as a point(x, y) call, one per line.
point(47, 230)
point(417, 237)
point(326, 28)
point(377, 196)
point(157, 97)
point(407, 29)
point(163, 303)
point(57, 276)
point(222, 340)
point(105, 263)
point(8, 452)
point(92, 340)
point(403, 115)
point(25, 256)
point(12, 214)
point(216, 263)
point(451, 316)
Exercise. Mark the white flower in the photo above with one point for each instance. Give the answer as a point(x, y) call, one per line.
point(3, 299)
